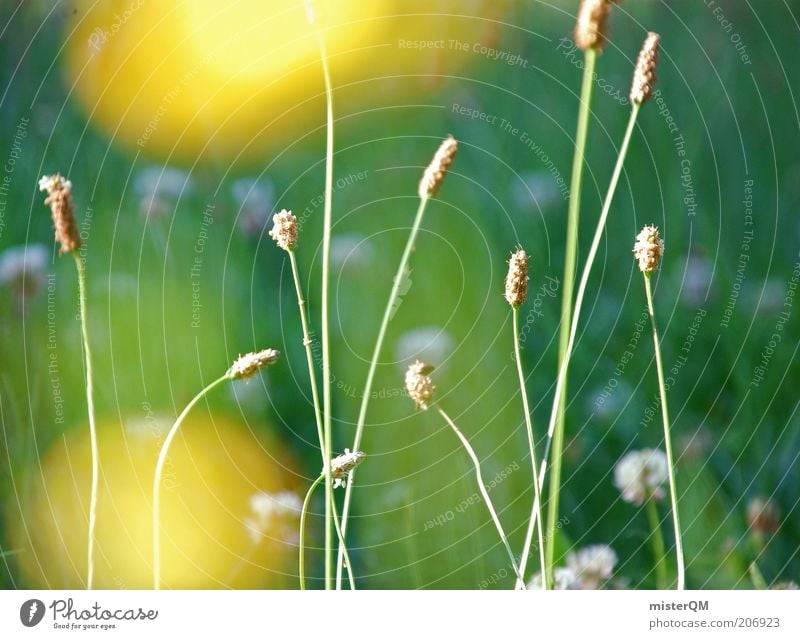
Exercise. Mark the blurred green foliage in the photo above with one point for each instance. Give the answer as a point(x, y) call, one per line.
point(736, 440)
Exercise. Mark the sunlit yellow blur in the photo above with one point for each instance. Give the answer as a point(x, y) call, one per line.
point(193, 80)
point(216, 532)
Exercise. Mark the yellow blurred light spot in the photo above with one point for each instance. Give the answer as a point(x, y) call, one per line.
point(211, 536)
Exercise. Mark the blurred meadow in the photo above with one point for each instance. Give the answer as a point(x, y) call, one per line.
point(185, 125)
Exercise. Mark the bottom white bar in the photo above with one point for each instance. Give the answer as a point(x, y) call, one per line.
point(405, 614)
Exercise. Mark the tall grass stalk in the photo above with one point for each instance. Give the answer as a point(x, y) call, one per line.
point(563, 368)
point(536, 509)
point(487, 500)
point(326, 262)
point(667, 437)
point(373, 364)
point(92, 425)
point(570, 261)
point(657, 541)
point(302, 544)
point(162, 458)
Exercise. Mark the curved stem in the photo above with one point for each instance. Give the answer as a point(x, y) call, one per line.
point(309, 354)
point(302, 566)
point(673, 493)
point(535, 509)
point(326, 260)
point(657, 540)
point(555, 487)
point(570, 260)
point(343, 548)
point(362, 414)
point(487, 500)
point(162, 458)
point(92, 425)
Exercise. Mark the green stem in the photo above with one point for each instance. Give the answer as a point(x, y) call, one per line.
point(302, 564)
point(555, 486)
point(362, 415)
point(657, 540)
point(162, 458)
point(673, 493)
point(326, 347)
point(92, 425)
point(570, 260)
point(309, 354)
point(757, 577)
point(535, 510)
point(486, 498)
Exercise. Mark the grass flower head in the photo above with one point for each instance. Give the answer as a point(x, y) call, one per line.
point(517, 278)
point(62, 210)
point(644, 77)
point(419, 385)
point(648, 249)
point(284, 230)
point(434, 175)
point(248, 365)
point(591, 28)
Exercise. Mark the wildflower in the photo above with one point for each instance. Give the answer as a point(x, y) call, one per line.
point(432, 343)
point(563, 579)
point(62, 210)
point(284, 230)
point(591, 28)
point(644, 76)
point(419, 385)
point(517, 278)
point(343, 465)
point(640, 475)
point(434, 175)
point(159, 188)
point(255, 198)
point(648, 249)
point(592, 566)
point(22, 269)
point(248, 365)
point(270, 510)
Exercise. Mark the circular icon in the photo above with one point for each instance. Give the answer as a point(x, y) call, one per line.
point(31, 612)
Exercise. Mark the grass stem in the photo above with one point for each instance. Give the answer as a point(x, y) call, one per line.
point(555, 486)
point(362, 414)
point(673, 493)
point(162, 458)
point(570, 261)
point(487, 500)
point(326, 346)
point(657, 541)
point(536, 513)
point(92, 425)
point(302, 563)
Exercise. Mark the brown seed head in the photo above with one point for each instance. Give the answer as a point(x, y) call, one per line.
point(419, 385)
point(517, 278)
point(284, 230)
point(591, 28)
point(342, 465)
point(434, 175)
point(62, 210)
point(644, 77)
point(648, 249)
point(248, 365)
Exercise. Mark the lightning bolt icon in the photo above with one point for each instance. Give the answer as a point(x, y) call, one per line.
point(32, 611)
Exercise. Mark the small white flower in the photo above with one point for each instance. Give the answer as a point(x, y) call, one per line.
point(22, 269)
point(592, 566)
point(270, 511)
point(429, 343)
point(350, 251)
point(563, 579)
point(640, 474)
point(159, 188)
point(255, 198)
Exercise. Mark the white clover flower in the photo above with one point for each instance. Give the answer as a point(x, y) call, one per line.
point(22, 269)
point(431, 344)
point(640, 474)
point(159, 188)
point(592, 566)
point(255, 199)
point(563, 579)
